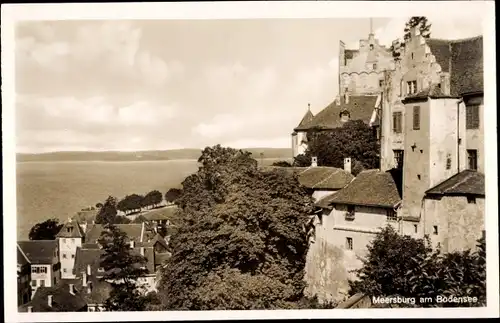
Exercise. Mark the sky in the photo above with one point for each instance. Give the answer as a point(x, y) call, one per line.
point(166, 84)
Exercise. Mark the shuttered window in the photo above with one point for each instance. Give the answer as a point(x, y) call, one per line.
point(416, 118)
point(472, 117)
point(397, 119)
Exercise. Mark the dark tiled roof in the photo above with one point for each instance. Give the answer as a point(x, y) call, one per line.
point(467, 66)
point(97, 292)
point(359, 107)
point(39, 251)
point(467, 182)
point(71, 229)
point(463, 59)
point(62, 299)
point(317, 177)
point(133, 231)
point(325, 178)
point(369, 188)
point(306, 119)
point(22, 259)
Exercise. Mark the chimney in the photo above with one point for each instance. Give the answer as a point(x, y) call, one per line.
point(337, 100)
point(314, 162)
point(30, 309)
point(347, 164)
point(89, 270)
point(142, 251)
point(84, 278)
point(89, 288)
point(132, 244)
point(49, 300)
point(72, 289)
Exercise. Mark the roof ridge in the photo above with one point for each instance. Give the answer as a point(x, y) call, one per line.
point(324, 179)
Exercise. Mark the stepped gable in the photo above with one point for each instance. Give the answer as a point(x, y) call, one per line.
point(467, 182)
point(463, 59)
point(38, 251)
point(370, 188)
point(359, 107)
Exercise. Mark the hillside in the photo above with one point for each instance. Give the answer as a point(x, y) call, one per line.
point(174, 154)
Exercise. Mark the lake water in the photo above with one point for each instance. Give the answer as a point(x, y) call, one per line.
point(60, 189)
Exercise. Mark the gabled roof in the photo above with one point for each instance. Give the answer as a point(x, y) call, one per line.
point(370, 188)
point(165, 213)
point(325, 178)
point(22, 259)
point(71, 229)
point(318, 177)
point(306, 118)
point(39, 252)
point(62, 299)
point(467, 182)
point(359, 107)
point(463, 59)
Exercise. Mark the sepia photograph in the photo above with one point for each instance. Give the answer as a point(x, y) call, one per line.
point(333, 158)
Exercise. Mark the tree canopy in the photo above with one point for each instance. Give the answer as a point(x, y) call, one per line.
point(399, 265)
point(282, 163)
point(46, 230)
point(172, 195)
point(355, 140)
point(108, 213)
point(122, 269)
point(240, 242)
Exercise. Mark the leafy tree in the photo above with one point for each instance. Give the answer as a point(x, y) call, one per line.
point(240, 243)
point(403, 266)
point(153, 198)
point(282, 163)
point(172, 195)
point(355, 140)
point(108, 213)
point(122, 270)
point(99, 205)
point(46, 230)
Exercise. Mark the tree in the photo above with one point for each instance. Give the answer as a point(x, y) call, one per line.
point(108, 213)
point(172, 195)
point(355, 140)
point(153, 198)
point(240, 243)
point(46, 230)
point(122, 268)
point(282, 163)
point(403, 266)
point(99, 205)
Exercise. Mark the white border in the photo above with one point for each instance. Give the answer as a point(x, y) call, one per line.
point(232, 10)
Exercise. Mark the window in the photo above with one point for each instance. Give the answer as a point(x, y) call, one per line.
point(64, 270)
point(399, 157)
point(448, 161)
point(418, 176)
point(472, 158)
point(42, 283)
point(371, 46)
point(55, 281)
point(381, 83)
point(397, 122)
point(346, 90)
point(348, 243)
point(33, 283)
point(435, 229)
point(411, 55)
point(416, 228)
point(411, 87)
point(439, 85)
point(72, 256)
point(472, 117)
point(374, 66)
point(471, 199)
point(350, 212)
point(416, 118)
point(391, 216)
point(64, 256)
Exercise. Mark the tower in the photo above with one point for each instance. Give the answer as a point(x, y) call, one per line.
point(70, 237)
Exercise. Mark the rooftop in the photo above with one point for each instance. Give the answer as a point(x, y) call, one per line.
point(359, 107)
point(71, 229)
point(39, 252)
point(467, 182)
point(318, 177)
point(62, 299)
point(370, 188)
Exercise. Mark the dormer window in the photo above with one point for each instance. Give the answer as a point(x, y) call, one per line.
point(371, 46)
